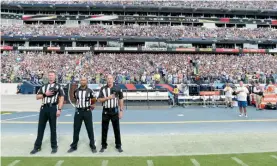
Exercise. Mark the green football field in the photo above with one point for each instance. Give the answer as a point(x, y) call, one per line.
point(255, 159)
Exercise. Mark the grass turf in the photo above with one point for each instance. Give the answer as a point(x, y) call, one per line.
point(253, 159)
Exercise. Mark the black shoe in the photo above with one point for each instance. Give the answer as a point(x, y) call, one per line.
point(72, 150)
point(102, 150)
point(34, 151)
point(94, 150)
point(54, 150)
point(119, 150)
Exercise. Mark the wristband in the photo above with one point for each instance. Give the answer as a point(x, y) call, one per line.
point(44, 95)
point(59, 109)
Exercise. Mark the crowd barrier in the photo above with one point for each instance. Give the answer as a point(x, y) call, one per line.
point(204, 94)
point(157, 95)
point(205, 98)
point(8, 88)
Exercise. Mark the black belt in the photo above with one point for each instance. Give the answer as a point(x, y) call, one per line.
point(84, 109)
point(50, 105)
point(109, 108)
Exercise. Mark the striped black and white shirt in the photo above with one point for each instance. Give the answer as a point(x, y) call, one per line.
point(83, 97)
point(51, 99)
point(105, 91)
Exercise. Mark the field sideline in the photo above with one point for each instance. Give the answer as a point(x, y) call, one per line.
point(252, 159)
point(192, 136)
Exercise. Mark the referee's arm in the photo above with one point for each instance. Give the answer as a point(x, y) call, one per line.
point(61, 98)
point(121, 105)
point(39, 94)
point(74, 97)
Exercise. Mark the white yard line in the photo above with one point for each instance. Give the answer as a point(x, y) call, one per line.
point(194, 162)
point(21, 117)
point(14, 163)
point(240, 162)
point(6, 114)
point(59, 163)
point(273, 156)
point(105, 163)
point(150, 163)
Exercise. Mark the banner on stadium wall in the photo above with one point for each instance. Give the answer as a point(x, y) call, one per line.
point(102, 17)
point(131, 48)
point(38, 17)
point(209, 93)
point(53, 48)
point(274, 22)
point(77, 48)
point(226, 50)
point(153, 49)
point(205, 49)
point(253, 50)
point(107, 48)
point(6, 48)
point(30, 48)
point(186, 49)
point(273, 50)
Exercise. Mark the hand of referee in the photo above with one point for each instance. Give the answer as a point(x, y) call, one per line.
point(92, 107)
point(58, 113)
point(120, 114)
point(49, 93)
point(111, 96)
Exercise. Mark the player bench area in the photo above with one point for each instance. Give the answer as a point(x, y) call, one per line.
point(217, 98)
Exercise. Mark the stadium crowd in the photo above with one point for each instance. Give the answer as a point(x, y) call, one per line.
point(138, 67)
point(173, 32)
point(172, 3)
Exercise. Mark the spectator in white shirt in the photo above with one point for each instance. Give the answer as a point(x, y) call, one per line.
point(242, 98)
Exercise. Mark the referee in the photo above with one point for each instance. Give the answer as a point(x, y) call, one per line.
point(111, 97)
point(52, 96)
point(84, 105)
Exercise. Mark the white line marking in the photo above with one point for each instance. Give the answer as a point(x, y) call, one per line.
point(6, 113)
point(22, 117)
point(68, 115)
point(27, 116)
point(150, 163)
point(147, 122)
point(180, 114)
point(273, 156)
point(105, 163)
point(240, 162)
point(59, 163)
point(194, 162)
point(14, 163)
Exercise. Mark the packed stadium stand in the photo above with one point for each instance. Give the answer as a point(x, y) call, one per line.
point(139, 68)
point(150, 41)
point(172, 3)
point(173, 32)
